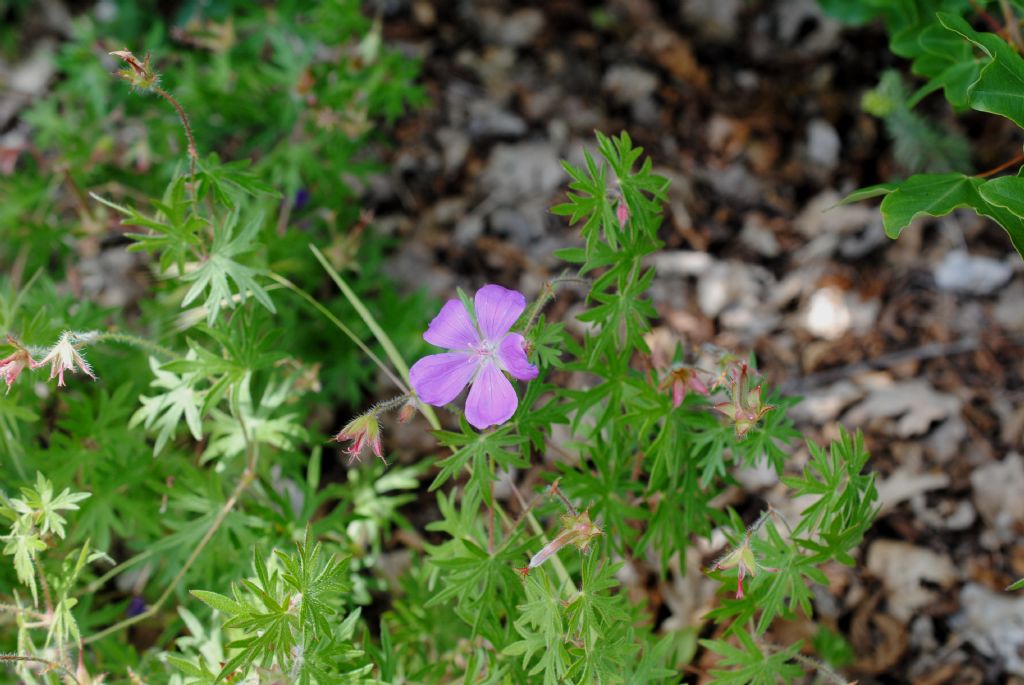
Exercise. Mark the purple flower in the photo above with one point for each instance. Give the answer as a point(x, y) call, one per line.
point(481, 353)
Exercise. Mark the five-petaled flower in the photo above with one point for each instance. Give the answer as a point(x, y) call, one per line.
point(363, 431)
point(64, 356)
point(482, 350)
point(14, 364)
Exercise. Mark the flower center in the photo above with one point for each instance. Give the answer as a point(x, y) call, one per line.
point(485, 350)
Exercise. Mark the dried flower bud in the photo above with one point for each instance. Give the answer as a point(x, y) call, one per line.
point(139, 74)
point(577, 529)
point(681, 380)
point(64, 356)
point(743, 560)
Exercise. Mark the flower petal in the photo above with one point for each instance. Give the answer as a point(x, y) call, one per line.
point(497, 309)
point(492, 399)
point(513, 356)
point(452, 328)
point(439, 378)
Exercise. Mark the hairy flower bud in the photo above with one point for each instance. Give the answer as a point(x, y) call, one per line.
point(363, 431)
point(139, 74)
point(64, 356)
point(12, 365)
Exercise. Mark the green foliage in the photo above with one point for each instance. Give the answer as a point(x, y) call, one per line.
point(753, 664)
point(234, 387)
point(287, 622)
point(918, 144)
point(976, 70)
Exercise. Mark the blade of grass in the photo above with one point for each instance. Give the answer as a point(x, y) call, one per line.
point(344, 329)
point(385, 341)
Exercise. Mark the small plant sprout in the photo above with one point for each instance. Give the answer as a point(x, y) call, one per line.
point(64, 356)
point(482, 351)
point(745, 407)
point(13, 364)
point(743, 559)
point(577, 530)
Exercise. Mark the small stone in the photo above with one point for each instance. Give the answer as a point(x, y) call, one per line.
point(971, 274)
point(994, 623)
point(759, 237)
point(523, 170)
point(909, 573)
point(823, 144)
point(629, 84)
point(997, 492)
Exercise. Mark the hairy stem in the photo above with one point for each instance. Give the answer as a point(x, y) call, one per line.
point(136, 341)
point(193, 154)
point(52, 665)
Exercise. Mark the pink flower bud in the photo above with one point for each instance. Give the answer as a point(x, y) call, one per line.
point(12, 365)
point(363, 431)
point(622, 212)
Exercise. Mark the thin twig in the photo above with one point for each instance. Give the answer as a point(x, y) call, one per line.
point(1005, 165)
point(15, 609)
point(124, 565)
point(136, 341)
point(929, 351)
point(1012, 27)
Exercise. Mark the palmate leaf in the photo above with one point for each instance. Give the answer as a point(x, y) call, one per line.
point(219, 270)
point(165, 411)
point(752, 664)
point(42, 507)
point(475, 449)
point(228, 180)
point(263, 423)
point(284, 619)
point(541, 626)
point(174, 231)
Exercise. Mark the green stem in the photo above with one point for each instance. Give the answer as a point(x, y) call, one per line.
point(135, 341)
point(343, 328)
point(383, 338)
